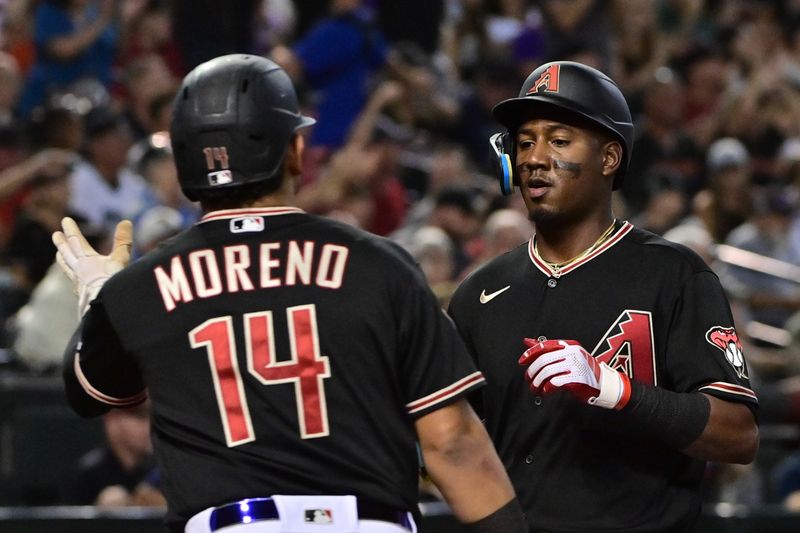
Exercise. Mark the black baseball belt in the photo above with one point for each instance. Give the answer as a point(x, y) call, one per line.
point(253, 509)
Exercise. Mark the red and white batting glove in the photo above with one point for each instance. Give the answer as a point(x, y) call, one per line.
point(87, 269)
point(562, 364)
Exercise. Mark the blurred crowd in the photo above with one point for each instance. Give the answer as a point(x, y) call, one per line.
point(403, 92)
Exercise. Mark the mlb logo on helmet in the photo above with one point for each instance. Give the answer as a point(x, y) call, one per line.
point(247, 224)
point(220, 177)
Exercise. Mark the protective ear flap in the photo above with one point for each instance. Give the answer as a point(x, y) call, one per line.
point(502, 145)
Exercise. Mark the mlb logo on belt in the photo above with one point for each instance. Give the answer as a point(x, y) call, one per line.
point(319, 516)
point(247, 224)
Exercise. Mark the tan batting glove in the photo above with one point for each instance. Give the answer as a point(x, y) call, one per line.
point(87, 269)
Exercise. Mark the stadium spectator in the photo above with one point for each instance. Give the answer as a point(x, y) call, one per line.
point(337, 60)
point(361, 182)
point(770, 299)
point(663, 147)
point(459, 212)
point(433, 250)
point(504, 230)
point(149, 31)
point(725, 202)
point(578, 24)
point(109, 475)
point(10, 84)
point(103, 189)
point(203, 29)
point(29, 252)
point(446, 165)
point(152, 159)
point(74, 39)
point(638, 49)
point(146, 78)
point(54, 126)
point(15, 183)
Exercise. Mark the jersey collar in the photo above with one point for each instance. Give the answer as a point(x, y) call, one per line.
point(249, 212)
point(548, 271)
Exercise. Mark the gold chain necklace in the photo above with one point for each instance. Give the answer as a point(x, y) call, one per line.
point(558, 266)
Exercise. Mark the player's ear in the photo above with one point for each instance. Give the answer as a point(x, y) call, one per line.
point(294, 155)
point(612, 157)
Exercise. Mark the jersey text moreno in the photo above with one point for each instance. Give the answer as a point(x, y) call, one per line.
point(203, 274)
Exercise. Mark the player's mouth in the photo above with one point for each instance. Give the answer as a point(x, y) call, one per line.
point(538, 187)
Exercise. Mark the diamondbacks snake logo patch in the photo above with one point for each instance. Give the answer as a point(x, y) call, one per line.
point(727, 340)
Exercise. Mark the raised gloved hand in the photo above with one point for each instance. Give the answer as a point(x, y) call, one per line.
point(87, 269)
point(563, 364)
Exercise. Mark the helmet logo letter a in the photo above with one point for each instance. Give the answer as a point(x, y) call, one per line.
point(217, 153)
point(548, 81)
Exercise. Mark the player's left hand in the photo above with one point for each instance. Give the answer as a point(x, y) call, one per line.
point(564, 364)
point(87, 269)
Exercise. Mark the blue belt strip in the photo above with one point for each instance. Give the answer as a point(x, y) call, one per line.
point(253, 509)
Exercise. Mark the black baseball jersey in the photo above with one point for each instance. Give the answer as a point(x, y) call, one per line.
point(639, 303)
point(284, 353)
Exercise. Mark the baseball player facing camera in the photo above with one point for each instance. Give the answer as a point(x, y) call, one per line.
point(613, 366)
point(293, 363)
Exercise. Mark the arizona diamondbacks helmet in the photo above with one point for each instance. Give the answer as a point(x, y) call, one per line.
point(579, 90)
point(232, 121)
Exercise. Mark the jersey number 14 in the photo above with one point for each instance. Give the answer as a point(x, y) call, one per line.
point(306, 369)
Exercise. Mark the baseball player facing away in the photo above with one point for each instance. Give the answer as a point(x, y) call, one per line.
point(292, 362)
point(613, 366)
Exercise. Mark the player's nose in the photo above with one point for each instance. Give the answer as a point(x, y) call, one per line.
point(535, 157)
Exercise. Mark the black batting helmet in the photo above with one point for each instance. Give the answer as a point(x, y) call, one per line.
point(578, 89)
point(232, 121)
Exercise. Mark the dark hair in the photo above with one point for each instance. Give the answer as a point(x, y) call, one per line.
point(102, 120)
point(463, 199)
point(48, 123)
point(149, 156)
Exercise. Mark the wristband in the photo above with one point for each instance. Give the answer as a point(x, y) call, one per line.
point(674, 418)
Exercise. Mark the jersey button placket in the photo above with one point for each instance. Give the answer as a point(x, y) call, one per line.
point(537, 400)
point(552, 282)
point(528, 459)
